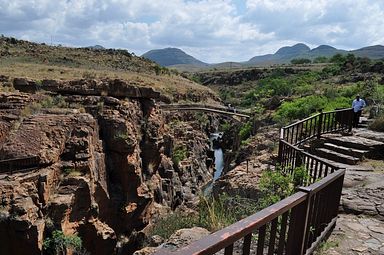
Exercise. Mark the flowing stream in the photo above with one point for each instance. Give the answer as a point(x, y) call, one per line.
point(219, 164)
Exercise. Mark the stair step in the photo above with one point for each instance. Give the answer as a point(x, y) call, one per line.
point(369, 134)
point(355, 142)
point(336, 156)
point(345, 150)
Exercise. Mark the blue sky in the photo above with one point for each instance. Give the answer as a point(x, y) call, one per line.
point(210, 30)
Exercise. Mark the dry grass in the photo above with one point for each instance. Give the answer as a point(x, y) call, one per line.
point(24, 59)
point(377, 165)
point(167, 83)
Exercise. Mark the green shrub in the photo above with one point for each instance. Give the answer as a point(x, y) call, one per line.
point(299, 108)
point(306, 106)
point(320, 59)
point(180, 153)
point(71, 172)
point(299, 61)
point(122, 135)
point(58, 243)
point(245, 131)
point(300, 176)
point(225, 127)
point(274, 186)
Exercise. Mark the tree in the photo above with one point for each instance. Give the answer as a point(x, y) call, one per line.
point(320, 59)
point(299, 61)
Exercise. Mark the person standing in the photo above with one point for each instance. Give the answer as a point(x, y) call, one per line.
point(358, 104)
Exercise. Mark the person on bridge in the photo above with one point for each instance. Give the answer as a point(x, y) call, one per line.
point(358, 104)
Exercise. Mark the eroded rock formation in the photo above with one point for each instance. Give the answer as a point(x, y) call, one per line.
point(100, 167)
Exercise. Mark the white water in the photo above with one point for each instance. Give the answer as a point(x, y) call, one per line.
point(219, 165)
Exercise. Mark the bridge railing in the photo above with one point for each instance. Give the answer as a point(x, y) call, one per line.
point(208, 106)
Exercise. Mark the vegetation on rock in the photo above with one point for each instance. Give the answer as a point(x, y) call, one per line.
point(59, 244)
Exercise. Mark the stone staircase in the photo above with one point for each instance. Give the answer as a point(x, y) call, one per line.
point(348, 151)
point(359, 229)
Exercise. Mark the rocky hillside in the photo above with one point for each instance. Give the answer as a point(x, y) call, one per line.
point(39, 62)
point(94, 158)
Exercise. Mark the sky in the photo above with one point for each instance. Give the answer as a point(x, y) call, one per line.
point(211, 30)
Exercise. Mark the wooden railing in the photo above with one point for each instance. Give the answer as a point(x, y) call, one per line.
point(297, 224)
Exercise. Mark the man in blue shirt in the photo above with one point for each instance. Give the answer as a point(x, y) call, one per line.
point(357, 105)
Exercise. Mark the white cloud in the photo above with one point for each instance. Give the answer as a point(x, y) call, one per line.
point(212, 30)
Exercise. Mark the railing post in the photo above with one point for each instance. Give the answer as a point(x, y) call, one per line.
point(298, 227)
point(350, 120)
point(280, 156)
point(320, 124)
point(299, 158)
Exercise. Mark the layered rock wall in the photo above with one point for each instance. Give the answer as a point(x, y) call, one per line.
point(105, 165)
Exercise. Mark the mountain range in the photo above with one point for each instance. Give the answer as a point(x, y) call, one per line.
point(173, 57)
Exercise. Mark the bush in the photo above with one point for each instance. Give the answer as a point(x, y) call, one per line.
point(299, 61)
point(299, 108)
point(166, 226)
point(377, 124)
point(306, 106)
point(274, 186)
point(180, 153)
point(217, 213)
point(59, 243)
point(320, 59)
point(245, 131)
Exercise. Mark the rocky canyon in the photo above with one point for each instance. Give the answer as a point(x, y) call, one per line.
point(95, 158)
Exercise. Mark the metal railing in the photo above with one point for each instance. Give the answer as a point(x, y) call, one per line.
point(297, 224)
point(316, 125)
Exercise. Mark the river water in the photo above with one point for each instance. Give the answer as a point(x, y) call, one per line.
point(219, 164)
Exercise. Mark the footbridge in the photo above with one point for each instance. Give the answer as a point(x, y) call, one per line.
point(231, 112)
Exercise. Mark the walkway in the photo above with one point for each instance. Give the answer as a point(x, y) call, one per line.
point(204, 108)
point(360, 227)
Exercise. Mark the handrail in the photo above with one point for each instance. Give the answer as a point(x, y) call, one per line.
point(221, 239)
point(316, 125)
point(297, 218)
point(301, 121)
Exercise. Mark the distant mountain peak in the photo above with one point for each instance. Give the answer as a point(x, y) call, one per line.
point(295, 49)
point(324, 47)
point(172, 56)
point(96, 47)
